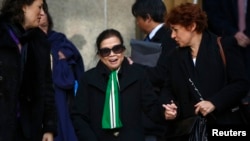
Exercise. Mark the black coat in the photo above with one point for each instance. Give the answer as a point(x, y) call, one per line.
point(25, 89)
point(223, 21)
point(223, 87)
point(136, 95)
point(157, 74)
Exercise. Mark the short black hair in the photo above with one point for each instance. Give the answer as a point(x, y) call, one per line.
point(155, 8)
point(106, 34)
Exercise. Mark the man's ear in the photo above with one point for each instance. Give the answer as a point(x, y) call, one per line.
point(148, 18)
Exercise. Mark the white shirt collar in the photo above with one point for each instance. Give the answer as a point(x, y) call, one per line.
point(153, 32)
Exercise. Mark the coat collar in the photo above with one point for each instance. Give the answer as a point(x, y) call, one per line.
point(204, 56)
point(126, 75)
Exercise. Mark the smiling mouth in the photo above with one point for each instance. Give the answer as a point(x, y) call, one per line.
point(113, 60)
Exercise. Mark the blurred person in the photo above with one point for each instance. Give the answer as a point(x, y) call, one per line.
point(111, 96)
point(67, 69)
point(224, 19)
point(196, 67)
point(149, 16)
point(26, 89)
point(232, 18)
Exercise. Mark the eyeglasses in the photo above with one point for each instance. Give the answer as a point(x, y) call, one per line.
point(104, 52)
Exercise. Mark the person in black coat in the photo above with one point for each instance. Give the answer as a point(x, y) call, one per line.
point(111, 96)
point(27, 103)
point(196, 67)
point(149, 16)
point(223, 20)
point(67, 69)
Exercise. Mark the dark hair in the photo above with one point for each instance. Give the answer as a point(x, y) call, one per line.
point(12, 9)
point(187, 13)
point(50, 20)
point(155, 8)
point(106, 34)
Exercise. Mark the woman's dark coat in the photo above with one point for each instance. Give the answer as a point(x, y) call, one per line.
point(26, 91)
point(223, 87)
point(64, 73)
point(136, 94)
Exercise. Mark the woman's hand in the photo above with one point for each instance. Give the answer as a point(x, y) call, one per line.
point(48, 137)
point(170, 111)
point(130, 61)
point(204, 107)
point(61, 55)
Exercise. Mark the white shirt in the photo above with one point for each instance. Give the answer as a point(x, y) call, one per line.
point(153, 32)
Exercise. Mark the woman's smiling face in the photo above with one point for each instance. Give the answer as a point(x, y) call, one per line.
point(113, 60)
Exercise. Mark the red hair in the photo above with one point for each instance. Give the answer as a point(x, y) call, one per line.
point(185, 15)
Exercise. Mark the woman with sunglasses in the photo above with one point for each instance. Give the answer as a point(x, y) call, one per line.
point(111, 96)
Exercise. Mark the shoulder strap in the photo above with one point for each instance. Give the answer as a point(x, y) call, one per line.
point(221, 51)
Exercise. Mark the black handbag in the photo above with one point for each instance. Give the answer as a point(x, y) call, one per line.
point(181, 127)
point(192, 127)
point(199, 130)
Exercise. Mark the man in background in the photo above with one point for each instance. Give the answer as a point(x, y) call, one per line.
point(149, 16)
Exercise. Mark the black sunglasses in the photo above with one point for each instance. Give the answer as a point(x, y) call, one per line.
point(104, 52)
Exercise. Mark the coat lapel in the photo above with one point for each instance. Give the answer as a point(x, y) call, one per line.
point(99, 77)
point(186, 62)
point(127, 75)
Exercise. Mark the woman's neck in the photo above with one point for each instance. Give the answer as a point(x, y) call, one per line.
point(195, 45)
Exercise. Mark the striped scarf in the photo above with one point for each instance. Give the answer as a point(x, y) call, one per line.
point(110, 118)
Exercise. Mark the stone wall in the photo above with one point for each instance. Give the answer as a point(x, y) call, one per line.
point(83, 20)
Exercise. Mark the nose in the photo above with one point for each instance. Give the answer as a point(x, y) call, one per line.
point(111, 53)
point(173, 34)
point(42, 12)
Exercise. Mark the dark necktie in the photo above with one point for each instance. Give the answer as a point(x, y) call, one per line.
point(147, 39)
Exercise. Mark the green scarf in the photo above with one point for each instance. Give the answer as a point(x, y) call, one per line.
point(110, 118)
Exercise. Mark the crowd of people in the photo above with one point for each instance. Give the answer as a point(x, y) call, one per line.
point(46, 94)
